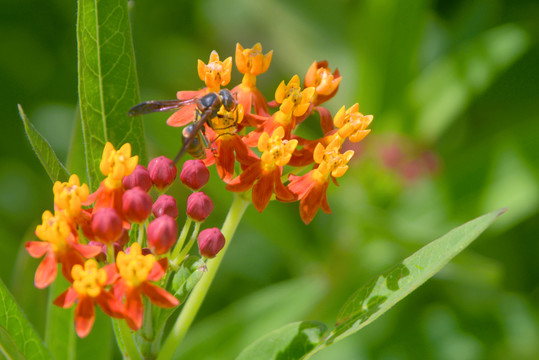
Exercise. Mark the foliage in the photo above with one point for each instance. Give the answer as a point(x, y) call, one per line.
point(453, 79)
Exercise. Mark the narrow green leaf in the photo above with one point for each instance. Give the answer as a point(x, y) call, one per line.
point(8, 348)
point(60, 330)
point(54, 168)
point(190, 271)
point(20, 332)
point(107, 81)
point(380, 294)
point(290, 342)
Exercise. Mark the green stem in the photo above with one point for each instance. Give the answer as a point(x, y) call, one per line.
point(125, 340)
point(181, 239)
point(194, 301)
point(189, 245)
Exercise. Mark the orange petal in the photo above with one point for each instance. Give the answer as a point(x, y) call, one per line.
point(46, 271)
point(159, 296)
point(88, 251)
point(84, 316)
point(309, 205)
point(66, 299)
point(224, 160)
point(134, 310)
point(37, 249)
point(262, 191)
point(281, 192)
point(326, 122)
point(110, 305)
point(158, 270)
point(246, 179)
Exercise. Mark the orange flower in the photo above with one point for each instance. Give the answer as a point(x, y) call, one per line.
point(326, 84)
point(352, 124)
point(294, 101)
point(88, 288)
point(311, 187)
point(216, 73)
point(266, 171)
point(251, 62)
point(59, 245)
point(136, 272)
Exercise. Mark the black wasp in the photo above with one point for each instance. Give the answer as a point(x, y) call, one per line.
point(207, 108)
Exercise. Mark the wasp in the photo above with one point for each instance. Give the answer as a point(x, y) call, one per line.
point(207, 110)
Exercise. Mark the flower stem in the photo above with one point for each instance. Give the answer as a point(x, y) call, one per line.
point(125, 340)
point(193, 303)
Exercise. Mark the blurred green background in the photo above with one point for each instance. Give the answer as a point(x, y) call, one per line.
point(453, 87)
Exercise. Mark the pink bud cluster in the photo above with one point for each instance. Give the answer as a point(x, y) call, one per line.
point(195, 175)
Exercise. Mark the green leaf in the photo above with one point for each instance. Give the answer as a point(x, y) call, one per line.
point(17, 332)
point(60, 330)
point(107, 81)
point(447, 87)
point(381, 293)
point(54, 168)
point(189, 273)
point(8, 348)
point(292, 341)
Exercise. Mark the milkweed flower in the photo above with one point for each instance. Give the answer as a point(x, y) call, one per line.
point(325, 83)
point(70, 196)
point(137, 271)
point(311, 188)
point(267, 170)
point(88, 289)
point(352, 124)
point(216, 73)
point(60, 246)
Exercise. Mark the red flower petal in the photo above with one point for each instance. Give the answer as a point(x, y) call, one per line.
point(67, 298)
point(159, 296)
point(158, 270)
point(326, 120)
point(224, 159)
point(134, 310)
point(309, 205)
point(84, 316)
point(246, 179)
point(110, 305)
point(88, 251)
point(281, 192)
point(262, 191)
point(37, 249)
point(46, 271)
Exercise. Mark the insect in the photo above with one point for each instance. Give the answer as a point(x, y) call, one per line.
point(207, 109)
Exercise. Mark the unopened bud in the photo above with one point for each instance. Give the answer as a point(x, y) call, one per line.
point(165, 205)
point(194, 174)
point(107, 225)
point(199, 206)
point(136, 205)
point(162, 234)
point(139, 177)
point(162, 172)
point(210, 242)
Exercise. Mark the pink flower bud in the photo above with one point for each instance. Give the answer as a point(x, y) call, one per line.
point(210, 242)
point(199, 206)
point(165, 205)
point(162, 172)
point(136, 205)
point(162, 234)
point(107, 225)
point(194, 174)
point(139, 177)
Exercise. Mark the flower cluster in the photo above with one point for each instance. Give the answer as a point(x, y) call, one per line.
point(262, 144)
point(115, 245)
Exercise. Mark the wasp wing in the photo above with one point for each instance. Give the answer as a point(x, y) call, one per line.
point(157, 106)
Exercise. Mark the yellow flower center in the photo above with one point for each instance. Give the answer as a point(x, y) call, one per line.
point(331, 161)
point(55, 230)
point(134, 267)
point(68, 196)
point(116, 164)
point(88, 281)
point(275, 150)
